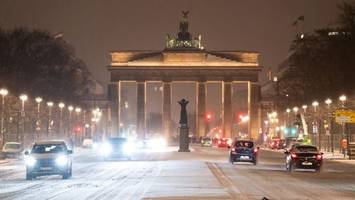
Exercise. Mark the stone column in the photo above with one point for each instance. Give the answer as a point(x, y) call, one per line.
point(113, 91)
point(227, 109)
point(167, 110)
point(201, 108)
point(253, 104)
point(141, 100)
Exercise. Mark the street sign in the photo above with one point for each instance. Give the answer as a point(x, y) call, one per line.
point(344, 116)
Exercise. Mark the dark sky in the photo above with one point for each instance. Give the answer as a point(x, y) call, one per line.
point(96, 27)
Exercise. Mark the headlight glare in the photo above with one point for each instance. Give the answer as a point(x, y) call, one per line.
point(30, 161)
point(61, 160)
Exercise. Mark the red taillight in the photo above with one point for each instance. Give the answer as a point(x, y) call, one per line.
point(293, 155)
point(255, 150)
point(319, 157)
point(219, 141)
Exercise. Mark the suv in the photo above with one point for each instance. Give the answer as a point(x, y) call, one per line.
point(48, 158)
point(243, 151)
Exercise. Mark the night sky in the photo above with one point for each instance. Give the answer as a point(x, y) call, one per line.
point(96, 27)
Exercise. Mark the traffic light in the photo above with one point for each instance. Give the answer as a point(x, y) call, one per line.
point(77, 129)
point(208, 116)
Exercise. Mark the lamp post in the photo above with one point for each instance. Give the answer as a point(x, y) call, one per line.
point(70, 108)
point(342, 100)
point(49, 121)
point(77, 111)
point(61, 105)
point(288, 110)
point(315, 125)
point(3, 93)
point(23, 98)
point(304, 107)
point(38, 123)
point(329, 127)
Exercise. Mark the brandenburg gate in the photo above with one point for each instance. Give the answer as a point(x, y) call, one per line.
point(185, 59)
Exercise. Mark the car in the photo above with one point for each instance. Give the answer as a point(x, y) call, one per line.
point(50, 157)
point(117, 148)
point(88, 143)
point(277, 143)
point(12, 150)
point(224, 142)
point(303, 157)
point(243, 151)
point(206, 142)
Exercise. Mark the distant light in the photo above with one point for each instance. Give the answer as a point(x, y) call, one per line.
point(328, 101)
point(315, 103)
point(23, 97)
point(70, 108)
point(38, 99)
point(49, 103)
point(61, 105)
point(302, 36)
point(77, 109)
point(342, 98)
point(288, 110)
point(304, 106)
point(3, 92)
point(295, 109)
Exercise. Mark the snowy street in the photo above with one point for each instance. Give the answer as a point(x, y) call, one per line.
point(202, 174)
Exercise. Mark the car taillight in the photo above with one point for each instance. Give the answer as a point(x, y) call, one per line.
point(293, 155)
point(255, 150)
point(319, 157)
point(219, 141)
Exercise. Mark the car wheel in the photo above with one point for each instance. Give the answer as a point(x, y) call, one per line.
point(66, 175)
point(318, 169)
point(254, 162)
point(29, 176)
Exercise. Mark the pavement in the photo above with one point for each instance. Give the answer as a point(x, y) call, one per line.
point(204, 173)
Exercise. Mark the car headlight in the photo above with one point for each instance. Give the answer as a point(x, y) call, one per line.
point(30, 161)
point(62, 160)
point(128, 147)
point(106, 149)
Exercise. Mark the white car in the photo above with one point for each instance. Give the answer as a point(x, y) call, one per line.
point(12, 150)
point(88, 143)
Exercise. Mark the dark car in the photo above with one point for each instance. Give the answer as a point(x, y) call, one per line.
point(224, 142)
point(48, 158)
point(117, 148)
point(303, 157)
point(243, 151)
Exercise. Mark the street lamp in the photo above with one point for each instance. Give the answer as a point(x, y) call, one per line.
point(50, 105)
point(61, 105)
point(38, 124)
point(3, 93)
point(295, 109)
point(315, 104)
point(330, 135)
point(304, 107)
point(23, 98)
point(70, 108)
point(342, 99)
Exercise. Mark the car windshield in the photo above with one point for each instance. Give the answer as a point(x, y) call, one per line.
point(206, 139)
point(48, 148)
point(12, 146)
point(246, 144)
point(117, 141)
point(306, 148)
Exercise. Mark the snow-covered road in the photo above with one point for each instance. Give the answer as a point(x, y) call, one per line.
point(202, 174)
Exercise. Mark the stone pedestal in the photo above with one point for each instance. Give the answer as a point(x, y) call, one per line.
point(184, 139)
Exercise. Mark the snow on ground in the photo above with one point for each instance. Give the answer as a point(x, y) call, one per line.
point(202, 174)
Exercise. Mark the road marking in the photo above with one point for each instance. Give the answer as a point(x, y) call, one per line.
point(232, 190)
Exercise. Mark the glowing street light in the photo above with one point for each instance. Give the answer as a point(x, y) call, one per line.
point(304, 107)
point(295, 109)
point(77, 110)
point(328, 102)
point(342, 98)
point(23, 98)
point(315, 104)
point(288, 110)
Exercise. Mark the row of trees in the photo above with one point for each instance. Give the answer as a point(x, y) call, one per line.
point(321, 63)
point(40, 64)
